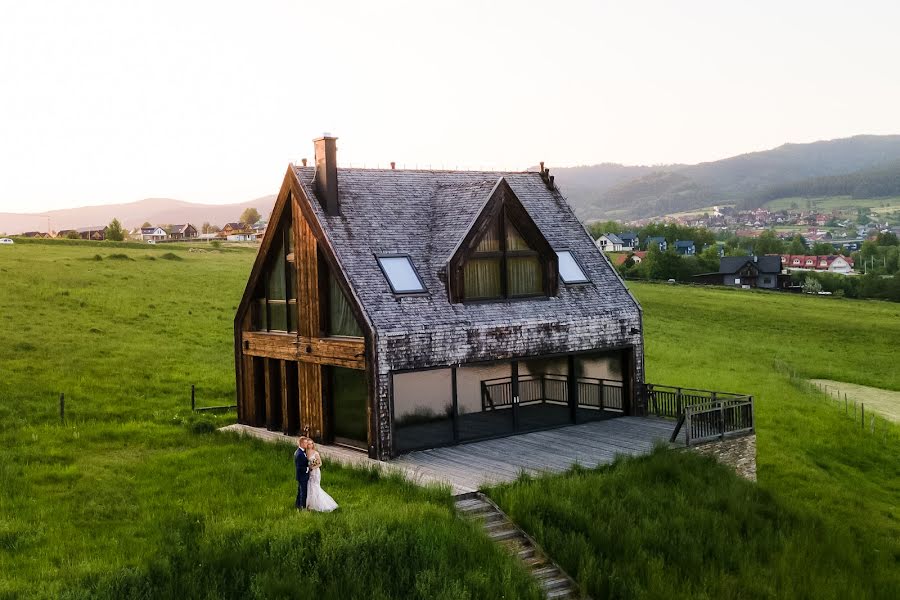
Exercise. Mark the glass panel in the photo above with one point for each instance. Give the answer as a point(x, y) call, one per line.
point(348, 397)
point(259, 315)
point(525, 275)
point(544, 393)
point(484, 400)
point(481, 278)
point(401, 274)
point(423, 405)
point(514, 240)
point(340, 317)
point(491, 240)
point(569, 269)
point(278, 316)
point(275, 288)
point(600, 391)
point(292, 316)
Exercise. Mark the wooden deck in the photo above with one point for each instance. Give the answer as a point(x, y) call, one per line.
point(469, 467)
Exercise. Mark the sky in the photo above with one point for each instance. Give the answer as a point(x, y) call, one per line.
point(114, 101)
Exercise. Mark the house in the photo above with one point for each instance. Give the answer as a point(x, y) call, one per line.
point(630, 240)
point(156, 234)
point(182, 232)
point(685, 247)
point(659, 242)
point(834, 264)
point(35, 234)
point(86, 233)
point(610, 242)
point(391, 310)
point(237, 232)
point(639, 256)
point(748, 271)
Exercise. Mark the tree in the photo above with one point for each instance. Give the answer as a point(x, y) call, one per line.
point(811, 286)
point(600, 227)
point(146, 224)
point(822, 248)
point(205, 227)
point(250, 216)
point(887, 238)
point(73, 235)
point(862, 216)
point(797, 245)
point(768, 243)
point(114, 231)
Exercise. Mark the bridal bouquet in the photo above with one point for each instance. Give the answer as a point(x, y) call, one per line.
point(315, 462)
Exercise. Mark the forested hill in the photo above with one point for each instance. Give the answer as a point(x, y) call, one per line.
point(618, 191)
point(878, 182)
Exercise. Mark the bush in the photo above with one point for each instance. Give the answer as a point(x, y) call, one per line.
point(119, 257)
point(170, 256)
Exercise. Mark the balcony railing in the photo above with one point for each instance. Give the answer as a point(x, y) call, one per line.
point(703, 414)
point(592, 393)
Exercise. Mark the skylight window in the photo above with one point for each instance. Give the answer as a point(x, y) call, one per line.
point(569, 269)
point(401, 274)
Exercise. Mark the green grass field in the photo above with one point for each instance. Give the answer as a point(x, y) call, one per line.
point(134, 498)
point(823, 521)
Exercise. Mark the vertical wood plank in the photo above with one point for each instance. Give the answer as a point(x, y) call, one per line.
point(285, 410)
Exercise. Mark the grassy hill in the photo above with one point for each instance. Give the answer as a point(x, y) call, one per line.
point(134, 497)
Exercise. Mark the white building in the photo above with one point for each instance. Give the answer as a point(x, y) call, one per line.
point(610, 242)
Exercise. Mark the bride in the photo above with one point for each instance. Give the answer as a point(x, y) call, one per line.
point(316, 498)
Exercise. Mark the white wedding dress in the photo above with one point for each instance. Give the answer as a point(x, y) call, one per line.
point(318, 499)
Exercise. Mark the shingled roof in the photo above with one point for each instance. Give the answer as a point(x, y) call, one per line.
point(426, 214)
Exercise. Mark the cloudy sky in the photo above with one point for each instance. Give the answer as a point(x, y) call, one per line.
point(114, 101)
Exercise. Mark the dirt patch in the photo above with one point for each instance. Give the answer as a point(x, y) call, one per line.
point(884, 402)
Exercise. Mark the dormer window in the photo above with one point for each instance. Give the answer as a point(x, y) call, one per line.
point(504, 254)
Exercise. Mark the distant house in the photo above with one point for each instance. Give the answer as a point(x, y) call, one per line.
point(685, 247)
point(156, 234)
point(86, 233)
point(748, 271)
point(182, 232)
point(610, 242)
point(659, 242)
point(35, 234)
point(237, 232)
point(833, 264)
point(630, 240)
point(639, 256)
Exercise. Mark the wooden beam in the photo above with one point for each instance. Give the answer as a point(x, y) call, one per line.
point(340, 352)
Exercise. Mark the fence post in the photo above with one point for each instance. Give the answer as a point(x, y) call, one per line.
point(678, 402)
point(687, 427)
point(752, 416)
point(193, 405)
point(62, 408)
point(862, 413)
point(602, 394)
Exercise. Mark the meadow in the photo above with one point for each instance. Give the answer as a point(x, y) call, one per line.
point(822, 521)
point(841, 203)
point(135, 497)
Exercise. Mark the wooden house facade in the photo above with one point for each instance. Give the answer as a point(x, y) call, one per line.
point(393, 310)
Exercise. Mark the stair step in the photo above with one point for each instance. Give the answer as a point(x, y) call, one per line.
point(559, 594)
point(504, 534)
point(485, 517)
point(496, 524)
point(553, 583)
point(533, 561)
point(547, 572)
point(467, 506)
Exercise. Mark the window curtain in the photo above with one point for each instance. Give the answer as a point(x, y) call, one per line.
point(514, 240)
point(340, 318)
point(524, 275)
point(481, 278)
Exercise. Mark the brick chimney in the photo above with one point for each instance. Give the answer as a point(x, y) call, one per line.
point(326, 174)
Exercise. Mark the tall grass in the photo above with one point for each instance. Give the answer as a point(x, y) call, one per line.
point(132, 497)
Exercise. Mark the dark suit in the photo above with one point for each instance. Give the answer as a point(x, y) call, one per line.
point(301, 466)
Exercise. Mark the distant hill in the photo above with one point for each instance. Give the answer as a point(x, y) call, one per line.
point(134, 214)
point(619, 191)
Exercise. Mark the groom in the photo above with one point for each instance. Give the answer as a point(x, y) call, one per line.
point(301, 466)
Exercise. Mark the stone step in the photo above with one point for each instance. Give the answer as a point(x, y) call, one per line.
point(496, 524)
point(472, 505)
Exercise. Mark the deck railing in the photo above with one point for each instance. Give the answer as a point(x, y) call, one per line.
point(669, 401)
point(716, 420)
point(601, 394)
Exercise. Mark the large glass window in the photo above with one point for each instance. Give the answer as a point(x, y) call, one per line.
point(423, 409)
point(340, 316)
point(503, 265)
point(484, 400)
point(275, 305)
